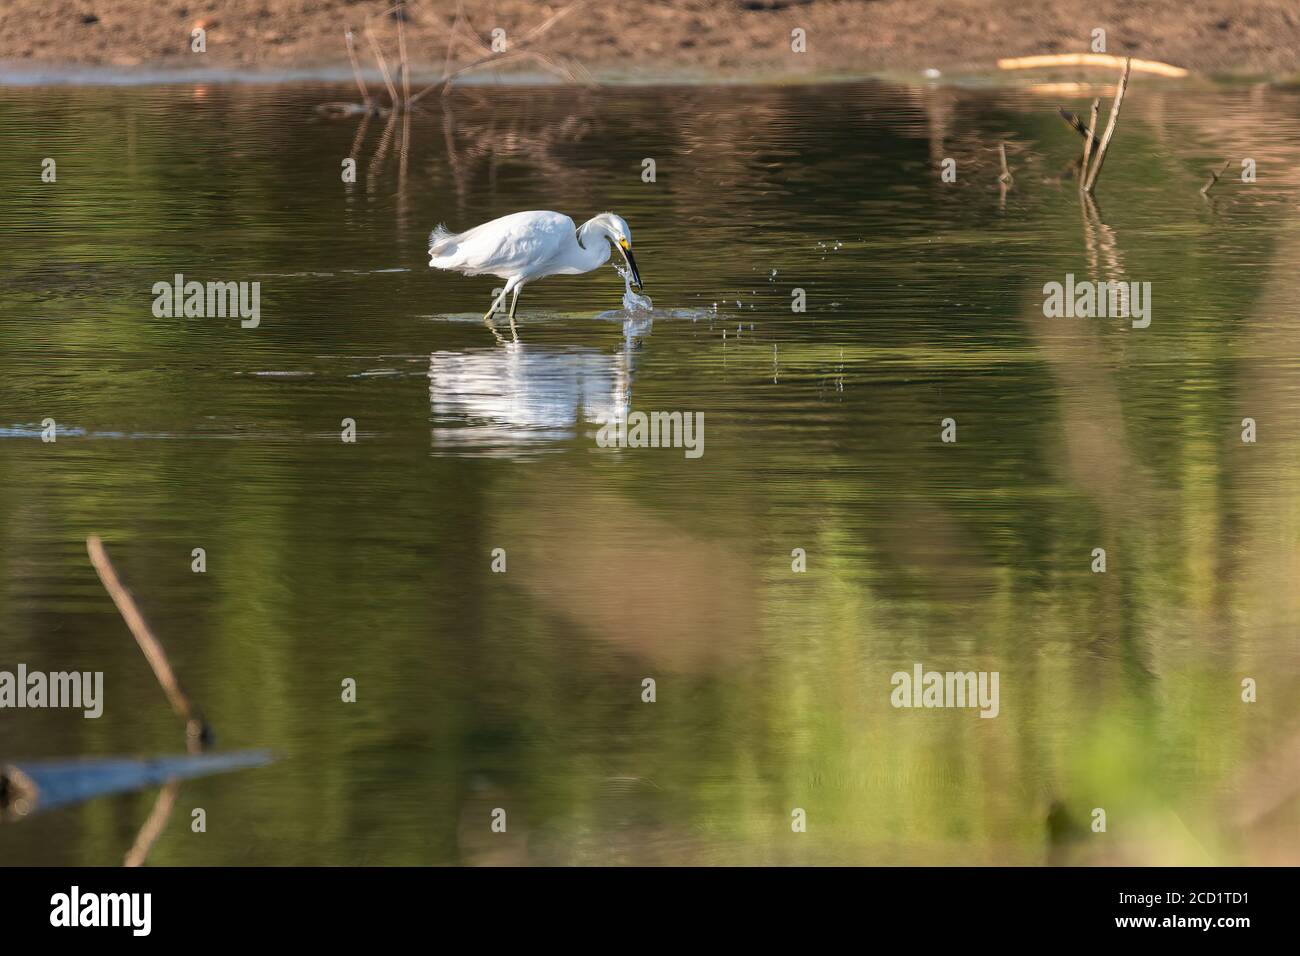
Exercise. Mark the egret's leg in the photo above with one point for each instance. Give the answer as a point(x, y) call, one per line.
point(514, 302)
point(496, 306)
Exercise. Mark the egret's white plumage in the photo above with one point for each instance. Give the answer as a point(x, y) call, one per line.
point(526, 246)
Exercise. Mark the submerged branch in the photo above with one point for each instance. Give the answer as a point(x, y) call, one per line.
point(197, 732)
point(1214, 178)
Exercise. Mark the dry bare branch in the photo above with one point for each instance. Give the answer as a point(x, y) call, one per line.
point(1088, 143)
point(1111, 122)
point(383, 67)
point(356, 70)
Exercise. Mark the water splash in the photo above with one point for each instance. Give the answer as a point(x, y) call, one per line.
point(632, 301)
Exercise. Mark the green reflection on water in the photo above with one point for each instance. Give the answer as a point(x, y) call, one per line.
point(523, 690)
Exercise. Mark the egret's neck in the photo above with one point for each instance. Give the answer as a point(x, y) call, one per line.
point(594, 247)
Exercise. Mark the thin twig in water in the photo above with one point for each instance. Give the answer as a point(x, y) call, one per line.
point(383, 67)
point(356, 70)
point(518, 50)
point(360, 137)
point(540, 58)
point(401, 52)
point(494, 59)
point(1214, 178)
point(381, 153)
point(1087, 145)
point(196, 729)
point(451, 38)
point(403, 164)
point(467, 39)
point(555, 18)
point(584, 74)
point(1005, 178)
point(552, 64)
point(1111, 122)
point(153, 824)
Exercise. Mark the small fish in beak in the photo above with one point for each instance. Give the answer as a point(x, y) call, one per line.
point(626, 249)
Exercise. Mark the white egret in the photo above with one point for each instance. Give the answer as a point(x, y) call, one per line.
point(526, 246)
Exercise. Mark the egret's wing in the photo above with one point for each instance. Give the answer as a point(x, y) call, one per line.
point(511, 244)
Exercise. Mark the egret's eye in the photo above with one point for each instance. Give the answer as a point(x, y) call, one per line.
point(624, 243)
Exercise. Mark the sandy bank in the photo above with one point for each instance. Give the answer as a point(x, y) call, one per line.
point(639, 39)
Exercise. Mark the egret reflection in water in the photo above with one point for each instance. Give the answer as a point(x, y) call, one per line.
point(526, 397)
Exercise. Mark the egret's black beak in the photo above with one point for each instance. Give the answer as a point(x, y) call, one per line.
point(631, 262)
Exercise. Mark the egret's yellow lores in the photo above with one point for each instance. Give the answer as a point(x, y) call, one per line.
point(526, 246)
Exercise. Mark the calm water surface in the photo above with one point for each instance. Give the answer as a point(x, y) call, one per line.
point(477, 690)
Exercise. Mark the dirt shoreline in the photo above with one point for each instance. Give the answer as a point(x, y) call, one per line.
point(645, 40)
